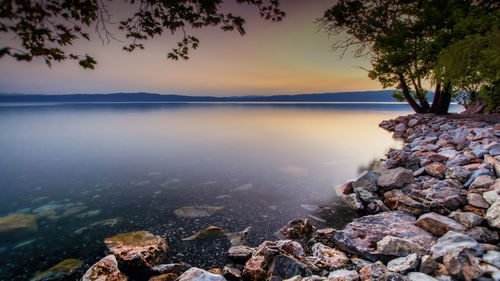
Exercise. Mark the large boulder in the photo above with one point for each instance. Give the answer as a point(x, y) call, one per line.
point(105, 269)
point(16, 226)
point(361, 236)
point(395, 178)
point(438, 224)
point(135, 250)
point(197, 274)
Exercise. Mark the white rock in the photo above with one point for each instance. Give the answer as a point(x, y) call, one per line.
point(490, 196)
point(198, 274)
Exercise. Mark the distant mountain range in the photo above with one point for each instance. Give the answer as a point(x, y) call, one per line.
point(365, 96)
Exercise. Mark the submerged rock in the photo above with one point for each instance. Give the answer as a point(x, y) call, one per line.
point(238, 238)
point(139, 249)
point(214, 232)
point(164, 277)
point(107, 222)
point(16, 226)
point(105, 269)
point(211, 232)
point(361, 236)
point(58, 271)
point(197, 274)
point(196, 211)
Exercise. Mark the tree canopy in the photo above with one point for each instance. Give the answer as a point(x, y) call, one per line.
point(44, 29)
point(407, 39)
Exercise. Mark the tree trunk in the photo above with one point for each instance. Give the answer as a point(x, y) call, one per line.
point(421, 98)
point(436, 98)
point(442, 99)
point(406, 93)
point(444, 102)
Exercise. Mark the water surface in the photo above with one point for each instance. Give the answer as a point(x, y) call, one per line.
point(89, 171)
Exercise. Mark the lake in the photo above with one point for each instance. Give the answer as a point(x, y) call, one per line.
point(89, 171)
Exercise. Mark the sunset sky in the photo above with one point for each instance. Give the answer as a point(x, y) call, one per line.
point(272, 58)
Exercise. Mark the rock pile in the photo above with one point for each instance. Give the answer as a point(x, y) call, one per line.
point(433, 213)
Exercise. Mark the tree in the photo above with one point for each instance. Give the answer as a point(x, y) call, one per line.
point(44, 28)
point(403, 39)
point(472, 64)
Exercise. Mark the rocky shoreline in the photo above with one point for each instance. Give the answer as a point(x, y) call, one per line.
point(431, 213)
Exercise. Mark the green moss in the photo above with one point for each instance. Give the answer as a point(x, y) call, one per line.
point(211, 232)
point(63, 268)
point(137, 238)
point(15, 225)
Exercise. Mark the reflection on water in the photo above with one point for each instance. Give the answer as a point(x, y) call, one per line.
point(88, 171)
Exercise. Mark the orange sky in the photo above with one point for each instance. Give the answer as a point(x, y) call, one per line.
point(272, 58)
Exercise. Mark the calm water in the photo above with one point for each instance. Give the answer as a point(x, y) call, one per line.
point(89, 171)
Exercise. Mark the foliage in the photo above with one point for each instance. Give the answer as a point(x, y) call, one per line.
point(45, 28)
point(404, 40)
point(472, 64)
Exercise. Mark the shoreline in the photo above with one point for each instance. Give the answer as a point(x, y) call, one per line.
point(433, 213)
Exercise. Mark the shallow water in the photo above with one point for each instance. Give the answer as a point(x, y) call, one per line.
point(89, 171)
